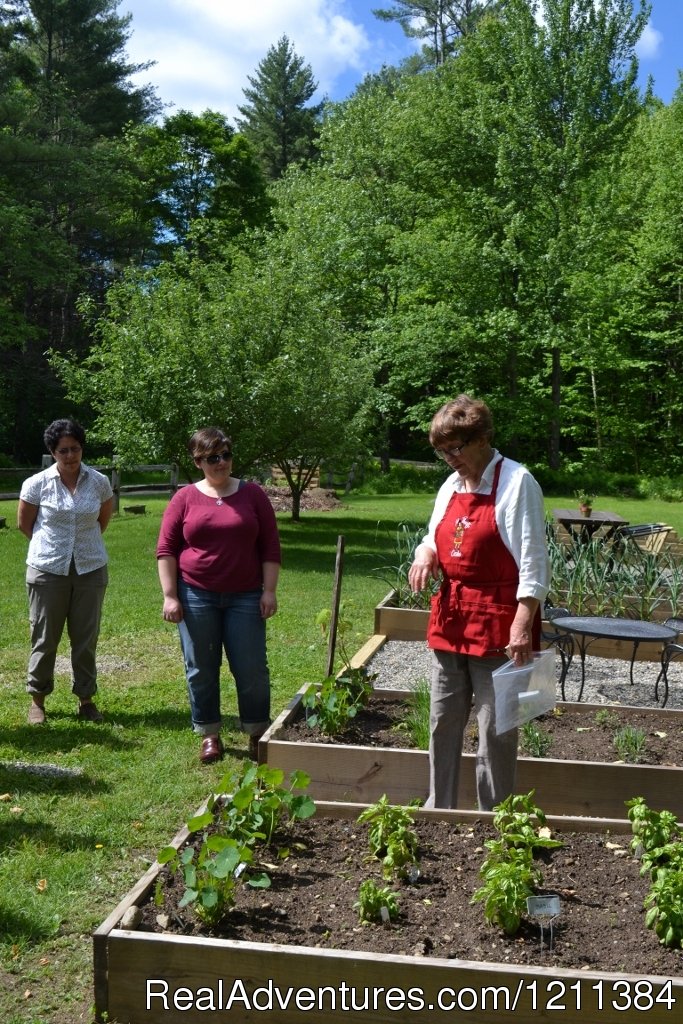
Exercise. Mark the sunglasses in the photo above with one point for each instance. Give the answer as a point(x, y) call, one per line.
point(213, 460)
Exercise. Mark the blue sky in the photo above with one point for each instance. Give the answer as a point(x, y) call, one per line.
point(204, 49)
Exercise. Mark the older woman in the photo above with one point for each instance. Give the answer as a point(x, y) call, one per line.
point(486, 539)
point(64, 510)
point(219, 559)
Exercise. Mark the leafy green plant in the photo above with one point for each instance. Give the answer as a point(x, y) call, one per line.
point(658, 841)
point(522, 824)
point(664, 902)
point(585, 498)
point(259, 802)
point(654, 832)
point(250, 805)
point(332, 704)
point(629, 743)
point(338, 699)
point(534, 740)
point(372, 898)
point(212, 874)
point(391, 836)
point(509, 872)
point(507, 884)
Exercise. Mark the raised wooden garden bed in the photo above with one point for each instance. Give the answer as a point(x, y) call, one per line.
point(163, 978)
point(362, 774)
point(394, 623)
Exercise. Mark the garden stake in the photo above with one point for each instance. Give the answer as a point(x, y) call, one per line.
point(336, 594)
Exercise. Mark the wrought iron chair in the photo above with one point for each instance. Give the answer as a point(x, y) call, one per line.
point(563, 642)
point(673, 649)
point(645, 537)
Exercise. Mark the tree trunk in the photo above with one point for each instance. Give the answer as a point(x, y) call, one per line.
point(554, 454)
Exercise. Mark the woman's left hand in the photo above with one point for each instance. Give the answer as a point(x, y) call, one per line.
point(519, 647)
point(268, 604)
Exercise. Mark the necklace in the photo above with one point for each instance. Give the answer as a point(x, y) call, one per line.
point(219, 501)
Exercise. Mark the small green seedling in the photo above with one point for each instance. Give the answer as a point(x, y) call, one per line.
point(372, 899)
point(630, 743)
point(391, 837)
point(534, 740)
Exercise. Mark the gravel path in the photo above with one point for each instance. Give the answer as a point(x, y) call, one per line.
point(402, 663)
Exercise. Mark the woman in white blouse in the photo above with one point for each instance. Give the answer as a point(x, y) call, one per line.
point(64, 510)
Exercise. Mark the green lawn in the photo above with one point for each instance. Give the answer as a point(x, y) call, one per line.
point(72, 844)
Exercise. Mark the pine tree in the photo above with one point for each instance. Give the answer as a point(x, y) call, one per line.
point(439, 22)
point(276, 120)
point(66, 228)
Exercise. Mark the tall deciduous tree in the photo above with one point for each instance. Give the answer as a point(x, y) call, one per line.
point(532, 116)
point(276, 118)
point(199, 169)
point(254, 348)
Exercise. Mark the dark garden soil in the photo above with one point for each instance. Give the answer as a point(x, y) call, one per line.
point(601, 923)
point(574, 735)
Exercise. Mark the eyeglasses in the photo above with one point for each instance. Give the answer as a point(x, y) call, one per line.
point(450, 453)
point(73, 450)
point(213, 460)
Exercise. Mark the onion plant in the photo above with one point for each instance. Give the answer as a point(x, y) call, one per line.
point(603, 578)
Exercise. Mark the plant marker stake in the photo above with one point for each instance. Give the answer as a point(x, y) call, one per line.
point(544, 908)
point(336, 595)
point(384, 914)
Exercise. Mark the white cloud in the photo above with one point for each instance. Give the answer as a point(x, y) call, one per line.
point(649, 43)
point(205, 49)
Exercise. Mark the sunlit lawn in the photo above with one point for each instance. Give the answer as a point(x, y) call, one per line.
point(72, 844)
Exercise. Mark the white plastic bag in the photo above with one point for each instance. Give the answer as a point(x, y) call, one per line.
point(524, 692)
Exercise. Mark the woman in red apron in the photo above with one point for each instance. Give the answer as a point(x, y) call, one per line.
point(486, 541)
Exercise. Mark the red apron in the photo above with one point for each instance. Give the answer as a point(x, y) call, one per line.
point(474, 610)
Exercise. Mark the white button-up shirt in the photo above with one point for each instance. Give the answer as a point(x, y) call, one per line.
point(66, 525)
point(520, 518)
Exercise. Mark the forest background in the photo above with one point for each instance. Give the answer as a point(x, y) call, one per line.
point(500, 214)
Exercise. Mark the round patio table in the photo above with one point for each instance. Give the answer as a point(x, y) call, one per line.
point(588, 628)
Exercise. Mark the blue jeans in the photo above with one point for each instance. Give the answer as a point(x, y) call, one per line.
point(212, 622)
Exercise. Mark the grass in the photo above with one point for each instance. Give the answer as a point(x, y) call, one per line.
point(634, 510)
point(73, 842)
point(416, 722)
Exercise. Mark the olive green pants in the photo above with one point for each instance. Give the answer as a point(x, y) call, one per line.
point(54, 602)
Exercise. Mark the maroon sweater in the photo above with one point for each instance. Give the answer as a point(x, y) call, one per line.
point(220, 547)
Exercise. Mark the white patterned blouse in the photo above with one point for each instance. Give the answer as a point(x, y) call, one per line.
point(66, 525)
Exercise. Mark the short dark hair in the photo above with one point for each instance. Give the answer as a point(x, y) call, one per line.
point(63, 428)
point(206, 441)
point(463, 419)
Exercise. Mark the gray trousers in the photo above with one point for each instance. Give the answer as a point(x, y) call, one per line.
point(55, 601)
point(459, 682)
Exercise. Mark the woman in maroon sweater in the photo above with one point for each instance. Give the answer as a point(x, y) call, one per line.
point(219, 558)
